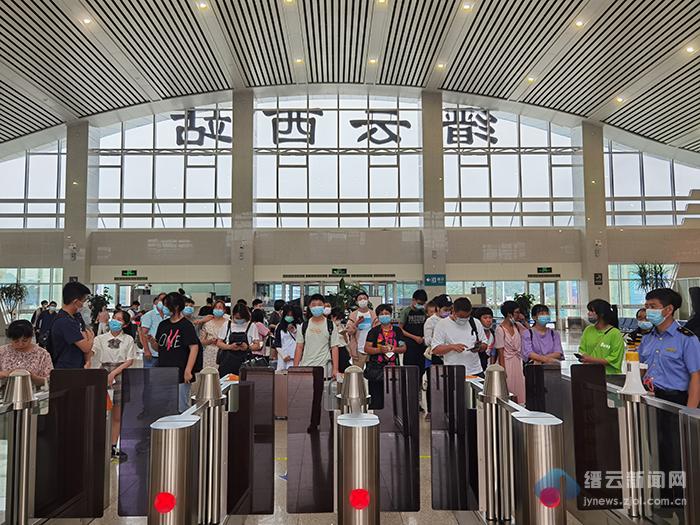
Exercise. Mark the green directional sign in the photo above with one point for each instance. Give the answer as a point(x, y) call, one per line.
point(129, 273)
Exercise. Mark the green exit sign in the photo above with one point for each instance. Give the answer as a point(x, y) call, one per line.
point(129, 273)
point(544, 269)
point(339, 271)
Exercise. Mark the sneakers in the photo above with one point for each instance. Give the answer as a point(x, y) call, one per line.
point(118, 455)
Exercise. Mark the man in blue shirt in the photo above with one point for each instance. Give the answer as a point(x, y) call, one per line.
point(71, 340)
point(149, 328)
point(671, 352)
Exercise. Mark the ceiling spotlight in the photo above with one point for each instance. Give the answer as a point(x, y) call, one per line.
point(441, 66)
point(467, 6)
point(530, 79)
point(299, 61)
point(202, 5)
point(619, 99)
point(87, 21)
point(690, 49)
point(372, 60)
point(578, 23)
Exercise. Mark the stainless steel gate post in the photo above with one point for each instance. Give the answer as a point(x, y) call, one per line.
point(538, 469)
point(633, 474)
point(358, 469)
point(690, 456)
point(495, 432)
point(19, 393)
point(213, 446)
point(353, 395)
point(174, 471)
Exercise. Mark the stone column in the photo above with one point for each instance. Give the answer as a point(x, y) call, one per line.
point(81, 202)
point(434, 232)
point(589, 191)
point(242, 236)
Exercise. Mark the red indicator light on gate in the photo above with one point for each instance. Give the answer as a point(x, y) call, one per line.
point(164, 502)
point(359, 499)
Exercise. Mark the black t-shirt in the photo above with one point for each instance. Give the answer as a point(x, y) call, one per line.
point(413, 320)
point(174, 341)
point(67, 330)
point(377, 337)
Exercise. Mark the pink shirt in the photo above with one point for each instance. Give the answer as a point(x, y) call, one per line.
point(36, 360)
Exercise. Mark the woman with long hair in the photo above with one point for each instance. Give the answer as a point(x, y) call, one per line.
point(602, 343)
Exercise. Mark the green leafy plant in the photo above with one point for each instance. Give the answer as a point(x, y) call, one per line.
point(650, 276)
point(525, 301)
point(11, 296)
point(345, 296)
point(98, 302)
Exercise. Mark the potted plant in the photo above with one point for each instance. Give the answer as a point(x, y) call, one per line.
point(97, 303)
point(11, 297)
point(525, 301)
point(345, 297)
point(650, 276)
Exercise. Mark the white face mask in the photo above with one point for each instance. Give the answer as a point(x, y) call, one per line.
point(362, 303)
point(327, 310)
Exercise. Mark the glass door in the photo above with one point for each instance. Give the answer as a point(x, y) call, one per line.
point(546, 293)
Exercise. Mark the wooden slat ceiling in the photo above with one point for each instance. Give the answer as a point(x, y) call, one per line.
point(133, 52)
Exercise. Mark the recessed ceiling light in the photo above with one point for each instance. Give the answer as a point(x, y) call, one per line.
point(381, 1)
point(592, 182)
point(621, 229)
point(87, 21)
point(299, 61)
point(372, 60)
point(620, 99)
point(467, 6)
point(202, 5)
point(288, 1)
point(690, 49)
point(578, 23)
point(530, 79)
point(75, 183)
point(441, 66)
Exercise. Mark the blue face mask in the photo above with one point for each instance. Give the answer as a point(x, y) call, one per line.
point(656, 317)
point(240, 321)
point(384, 319)
point(165, 311)
point(543, 320)
point(317, 311)
point(289, 318)
point(115, 326)
point(218, 312)
point(189, 310)
point(420, 306)
point(645, 325)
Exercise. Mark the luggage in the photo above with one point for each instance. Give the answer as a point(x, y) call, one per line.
point(281, 394)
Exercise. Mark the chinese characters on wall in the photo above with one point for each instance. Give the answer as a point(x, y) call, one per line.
point(298, 126)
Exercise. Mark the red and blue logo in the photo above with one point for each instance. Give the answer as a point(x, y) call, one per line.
point(549, 489)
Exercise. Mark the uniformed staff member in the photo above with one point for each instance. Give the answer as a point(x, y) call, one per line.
point(671, 352)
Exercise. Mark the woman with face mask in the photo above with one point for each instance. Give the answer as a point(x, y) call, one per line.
point(360, 321)
point(384, 343)
point(237, 339)
point(286, 337)
point(644, 326)
point(541, 344)
point(115, 351)
point(602, 343)
point(508, 344)
point(209, 334)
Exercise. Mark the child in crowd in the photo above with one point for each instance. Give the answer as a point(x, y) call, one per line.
point(115, 351)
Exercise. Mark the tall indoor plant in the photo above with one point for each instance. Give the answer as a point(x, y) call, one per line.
point(11, 297)
point(650, 276)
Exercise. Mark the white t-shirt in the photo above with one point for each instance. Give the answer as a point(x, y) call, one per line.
point(288, 348)
point(253, 334)
point(105, 349)
point(363, 328)
point(448, 332)
point(429, 328)
point(317, 343)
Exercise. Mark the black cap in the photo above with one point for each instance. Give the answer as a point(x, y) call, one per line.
point(443, 301)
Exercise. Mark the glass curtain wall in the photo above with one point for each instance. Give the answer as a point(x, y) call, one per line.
point(34, 188)
point(506, 170)
point(646, 190)
point(42, 284)
point(337, 161)
point(171, 170)
point(626, 290)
